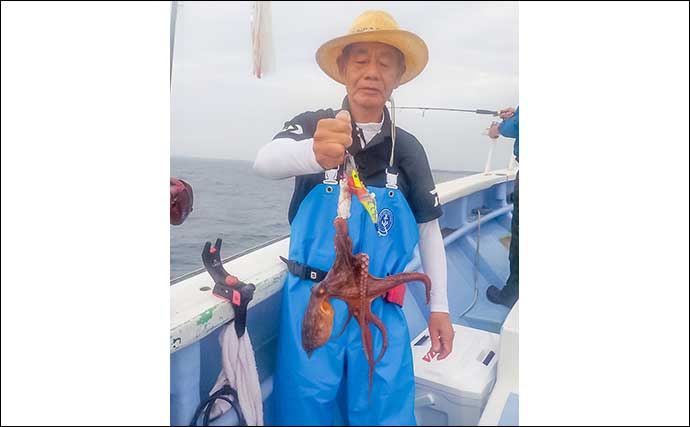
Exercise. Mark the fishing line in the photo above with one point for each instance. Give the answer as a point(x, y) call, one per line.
point(476, 257)
point(390, 163)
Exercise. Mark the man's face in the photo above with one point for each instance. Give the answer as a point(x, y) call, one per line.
point(371, 71)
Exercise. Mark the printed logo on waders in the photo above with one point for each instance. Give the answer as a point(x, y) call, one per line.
point(385, 222)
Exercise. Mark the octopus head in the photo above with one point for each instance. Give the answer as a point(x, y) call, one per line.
point(317, 324)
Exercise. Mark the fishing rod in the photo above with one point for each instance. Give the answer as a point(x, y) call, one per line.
point(489, 112)
point(487, 167)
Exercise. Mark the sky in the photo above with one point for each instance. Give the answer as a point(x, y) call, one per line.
point(219, 110)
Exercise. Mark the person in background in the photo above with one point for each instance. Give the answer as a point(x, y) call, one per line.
point(510, 293)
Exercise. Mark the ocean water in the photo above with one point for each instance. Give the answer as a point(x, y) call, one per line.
point(235, 204)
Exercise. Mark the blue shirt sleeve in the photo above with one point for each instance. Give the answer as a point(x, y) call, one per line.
point(509, 127)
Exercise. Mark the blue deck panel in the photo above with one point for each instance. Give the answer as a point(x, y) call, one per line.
point(491, 251)
point(484, 315)
point(510, 414)
point(185, 367)
point(493, 270)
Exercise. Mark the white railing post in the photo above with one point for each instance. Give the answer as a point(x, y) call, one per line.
point(487, 167)
point(511, 163)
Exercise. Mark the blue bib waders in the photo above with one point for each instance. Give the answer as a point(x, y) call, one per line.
point(305, 389)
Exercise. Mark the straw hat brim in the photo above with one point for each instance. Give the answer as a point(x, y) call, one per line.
point(412, 46)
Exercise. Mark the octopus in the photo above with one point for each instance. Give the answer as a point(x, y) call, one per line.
point(349, 280)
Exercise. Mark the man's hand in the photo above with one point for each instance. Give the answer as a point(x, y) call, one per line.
point(441, 333)
point(493, 130)
point(331, 138)
point(506, 113)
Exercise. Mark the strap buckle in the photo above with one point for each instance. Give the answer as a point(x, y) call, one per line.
point(391, 180)
point(331, 176)
point(304, 271)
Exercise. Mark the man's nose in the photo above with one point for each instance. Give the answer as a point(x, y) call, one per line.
point(372, 71)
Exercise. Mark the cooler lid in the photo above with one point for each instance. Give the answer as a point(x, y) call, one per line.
point(467, 372)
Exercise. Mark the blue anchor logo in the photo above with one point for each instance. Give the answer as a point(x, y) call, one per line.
point(385, 222)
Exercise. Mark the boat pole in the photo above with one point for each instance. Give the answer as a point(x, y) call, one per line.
point(487, 166)
point(173, 19)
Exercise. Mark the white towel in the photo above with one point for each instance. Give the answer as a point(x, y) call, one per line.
point(239, 371)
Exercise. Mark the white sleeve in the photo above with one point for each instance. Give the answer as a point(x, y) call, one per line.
point(285, 158)
point(433, 256)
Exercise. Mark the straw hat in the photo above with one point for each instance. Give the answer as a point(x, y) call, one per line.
point(376, 26)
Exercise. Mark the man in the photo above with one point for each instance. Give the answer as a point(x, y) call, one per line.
point(372, 60)
point(510, 293)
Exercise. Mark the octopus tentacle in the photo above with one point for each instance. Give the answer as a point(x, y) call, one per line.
point(349, 316)
point(377, 322)
point(367, 343)
point(343, 243)
point(363, 289)
point(380, 286)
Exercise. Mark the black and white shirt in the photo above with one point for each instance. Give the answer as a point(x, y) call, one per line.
point(372, 157)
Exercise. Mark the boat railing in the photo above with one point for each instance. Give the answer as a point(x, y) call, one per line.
point(512, 164)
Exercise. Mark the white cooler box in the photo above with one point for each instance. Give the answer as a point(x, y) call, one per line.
point(454, 391)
